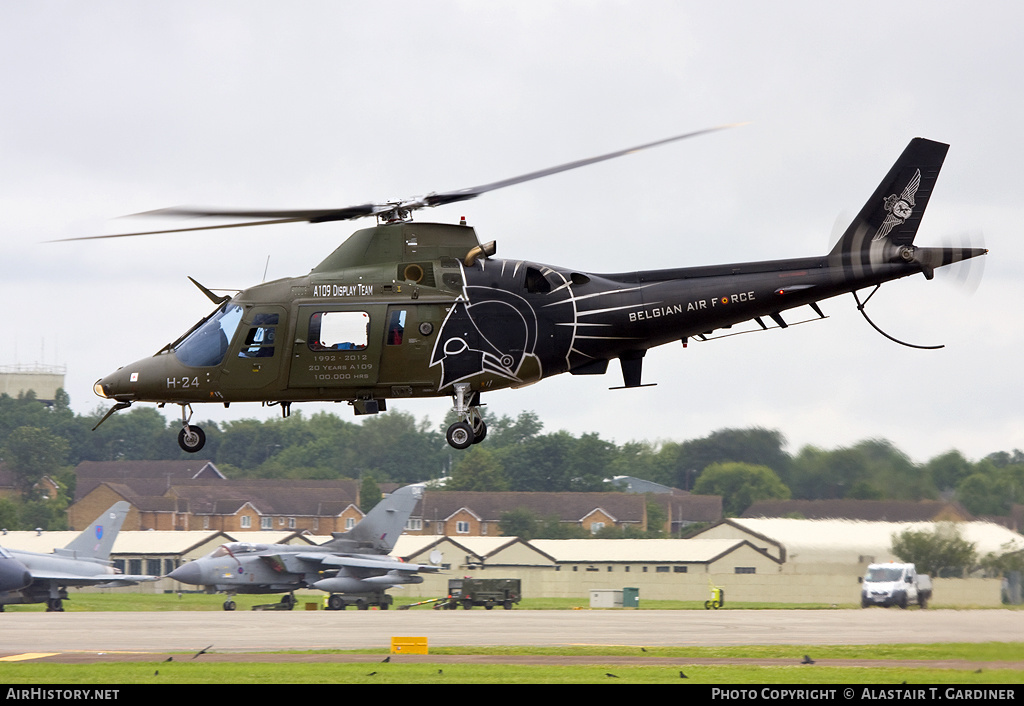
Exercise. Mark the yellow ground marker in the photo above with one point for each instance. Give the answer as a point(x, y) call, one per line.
point(27, 655)
point(409, 645)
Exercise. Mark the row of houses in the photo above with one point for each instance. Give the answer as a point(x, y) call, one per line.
point(188, 496)
point(196, 496)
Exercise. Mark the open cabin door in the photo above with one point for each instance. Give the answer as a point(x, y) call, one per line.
point(337, 345)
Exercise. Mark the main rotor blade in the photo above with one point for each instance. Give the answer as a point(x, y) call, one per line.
point(179, 230)
point(464, 194)
point(288, 216)
point(401, 208)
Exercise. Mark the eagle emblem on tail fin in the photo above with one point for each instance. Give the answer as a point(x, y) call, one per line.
point(900, 208)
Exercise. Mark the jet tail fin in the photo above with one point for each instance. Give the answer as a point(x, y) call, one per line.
point(893, 213)
point(383, 524)
point(98, 538)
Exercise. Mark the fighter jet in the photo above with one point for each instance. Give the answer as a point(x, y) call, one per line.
point(353, 567)
point(29, 577)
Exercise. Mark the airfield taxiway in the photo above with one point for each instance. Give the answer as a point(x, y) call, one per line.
point(160, 632)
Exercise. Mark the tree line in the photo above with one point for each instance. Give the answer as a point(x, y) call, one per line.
point(741, 465)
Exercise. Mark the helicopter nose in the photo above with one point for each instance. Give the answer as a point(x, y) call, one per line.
point(187, 573)
point(119, 385)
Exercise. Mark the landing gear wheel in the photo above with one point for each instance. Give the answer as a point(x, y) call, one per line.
point(191, 439)
point(479, 430)
point(460, 435)
point(288, 600)
point(229, 604)
point(54, 605)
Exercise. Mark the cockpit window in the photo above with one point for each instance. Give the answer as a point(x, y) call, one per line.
point(236, 548)
point(259, 341)
point(207, 344)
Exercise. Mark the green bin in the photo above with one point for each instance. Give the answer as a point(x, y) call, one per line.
point(630, 597)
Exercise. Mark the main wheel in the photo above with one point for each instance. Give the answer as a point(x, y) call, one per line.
point(479, 430)
point(460, 435)
point(229, 604)
point(191, 439)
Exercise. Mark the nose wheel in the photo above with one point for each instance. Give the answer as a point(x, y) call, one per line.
point(471, 428)
point(191, 438)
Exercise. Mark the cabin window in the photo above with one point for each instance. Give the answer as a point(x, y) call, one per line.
point(396, 327)
point(339, 331)
point(536, 283)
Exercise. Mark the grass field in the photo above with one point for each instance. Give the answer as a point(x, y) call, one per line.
point(882, 667)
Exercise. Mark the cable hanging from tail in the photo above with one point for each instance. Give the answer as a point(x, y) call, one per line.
point(860, 308)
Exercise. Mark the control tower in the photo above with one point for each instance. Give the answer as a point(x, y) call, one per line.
point(44, 380)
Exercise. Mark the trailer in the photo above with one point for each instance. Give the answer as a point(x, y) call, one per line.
point(469, 592)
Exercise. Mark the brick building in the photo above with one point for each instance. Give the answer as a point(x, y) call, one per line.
point(186, 495)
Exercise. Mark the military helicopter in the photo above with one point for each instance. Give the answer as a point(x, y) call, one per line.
point(409, 309)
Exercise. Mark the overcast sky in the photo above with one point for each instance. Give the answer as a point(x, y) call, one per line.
point(115, 107)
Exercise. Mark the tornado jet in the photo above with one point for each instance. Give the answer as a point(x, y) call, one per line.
point(353, 567)
point(31, 577)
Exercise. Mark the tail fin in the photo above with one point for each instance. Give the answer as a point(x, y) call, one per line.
point(98, 538)
point(893, 213)
point(381, 527)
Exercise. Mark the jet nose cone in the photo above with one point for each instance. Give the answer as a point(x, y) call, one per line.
point(187, 573)
point(13, 575)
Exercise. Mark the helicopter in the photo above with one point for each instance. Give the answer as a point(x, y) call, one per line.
point(407, 309)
